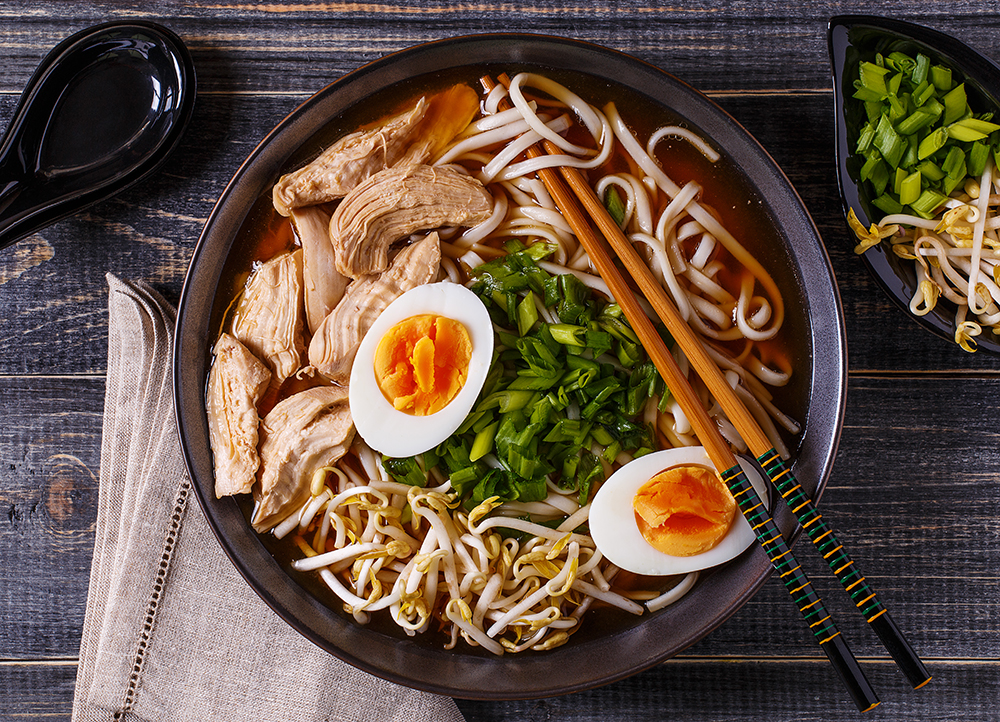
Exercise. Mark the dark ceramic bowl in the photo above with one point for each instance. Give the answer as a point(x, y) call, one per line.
point(608, 647)
point(850, 38)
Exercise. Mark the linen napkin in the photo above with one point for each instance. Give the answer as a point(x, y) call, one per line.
point(172, 632)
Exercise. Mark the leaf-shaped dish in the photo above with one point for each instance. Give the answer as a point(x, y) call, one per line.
point(851, 36)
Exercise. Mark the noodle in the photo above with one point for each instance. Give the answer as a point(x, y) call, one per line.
point(499, 576)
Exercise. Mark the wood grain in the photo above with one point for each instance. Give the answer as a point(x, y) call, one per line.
point(693, 689)
point(914, 491)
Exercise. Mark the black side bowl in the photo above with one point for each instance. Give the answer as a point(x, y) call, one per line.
point(850, 37)
point(608, 647)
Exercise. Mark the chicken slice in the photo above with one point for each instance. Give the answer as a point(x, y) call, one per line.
point(399, 201)
point(323, 285)
point(268, 318)
point(448, 114)
point(335, 343)
point(235, 384)
point(301, 435)
point(348, 162)
point(413, 136)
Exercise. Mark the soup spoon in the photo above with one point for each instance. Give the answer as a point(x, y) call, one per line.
point(103, 110)
point(850, 37)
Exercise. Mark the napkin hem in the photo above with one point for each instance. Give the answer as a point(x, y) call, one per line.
point(153, 601)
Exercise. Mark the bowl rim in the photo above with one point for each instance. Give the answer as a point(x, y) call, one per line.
point(625, 652)
point(897, 280)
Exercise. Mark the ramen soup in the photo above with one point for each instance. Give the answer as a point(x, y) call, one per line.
point(421, 383)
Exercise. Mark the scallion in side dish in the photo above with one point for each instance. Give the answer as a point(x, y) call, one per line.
point(927, 163)
point(920, 133)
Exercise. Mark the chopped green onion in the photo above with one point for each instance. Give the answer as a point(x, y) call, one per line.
point(922, 93)
point(976, 161)
point(941, 77)
point(527, 313)
point(909, 189)
point(920, 69)
point(932, 143)
point(616, 208)
point(954, 163)
point(955, 104)
point(483, 443)
point(865, 139)
point(887, 204)
point(405, 471)
point(930, 170)
point(971, 129)
point(918, 138)
point(873, 78)
point(928, 202)
point(888, 141)
point(568, 334)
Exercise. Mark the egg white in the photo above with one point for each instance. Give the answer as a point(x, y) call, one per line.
point(612, 518)
point(393, 432)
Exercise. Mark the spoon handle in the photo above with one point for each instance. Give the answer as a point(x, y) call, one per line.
point(844, 568)
point(800, 588)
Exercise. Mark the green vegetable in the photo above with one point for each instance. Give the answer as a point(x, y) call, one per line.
point(405, 471)
point(616, 208)
point(554, 392)
point(921, 138)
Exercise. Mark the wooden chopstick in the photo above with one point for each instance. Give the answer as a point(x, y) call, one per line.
point(780, 474)
point(750, 503)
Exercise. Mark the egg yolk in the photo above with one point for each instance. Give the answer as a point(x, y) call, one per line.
point(422, 362)
point(683, 511)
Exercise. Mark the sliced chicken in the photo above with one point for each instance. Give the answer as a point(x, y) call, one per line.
point(414, 136)
point(268, 318)
point(336, 341)
point(323, 285)
point(399, 201)
point(348, 162)
point(448, 114)
point(235, 384)
point(301, 435)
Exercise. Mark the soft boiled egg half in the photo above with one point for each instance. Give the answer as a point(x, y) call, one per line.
point(419, 368)
point(615, 520)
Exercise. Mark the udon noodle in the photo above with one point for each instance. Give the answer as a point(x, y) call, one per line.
point(521, 575)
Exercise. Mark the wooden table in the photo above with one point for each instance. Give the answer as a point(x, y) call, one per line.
point(915, 489)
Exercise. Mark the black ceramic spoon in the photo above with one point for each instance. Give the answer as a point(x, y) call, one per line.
point(102, 111)
point(851, 37)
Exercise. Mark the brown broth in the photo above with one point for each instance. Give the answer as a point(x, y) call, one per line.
point(724, 188)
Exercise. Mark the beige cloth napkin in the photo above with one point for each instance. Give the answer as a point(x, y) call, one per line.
point(172, 632)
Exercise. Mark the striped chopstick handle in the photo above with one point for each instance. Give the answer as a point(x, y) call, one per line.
point(799, 587)
point(843, 567)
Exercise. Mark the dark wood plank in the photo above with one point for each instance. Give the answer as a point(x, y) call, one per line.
point(691, 689)
point(36, 691)
point(904, 516)
point(706, 44)
point(49, 463)
point(740, 689)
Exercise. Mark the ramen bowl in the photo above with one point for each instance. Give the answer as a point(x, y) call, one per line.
point(610, 645)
